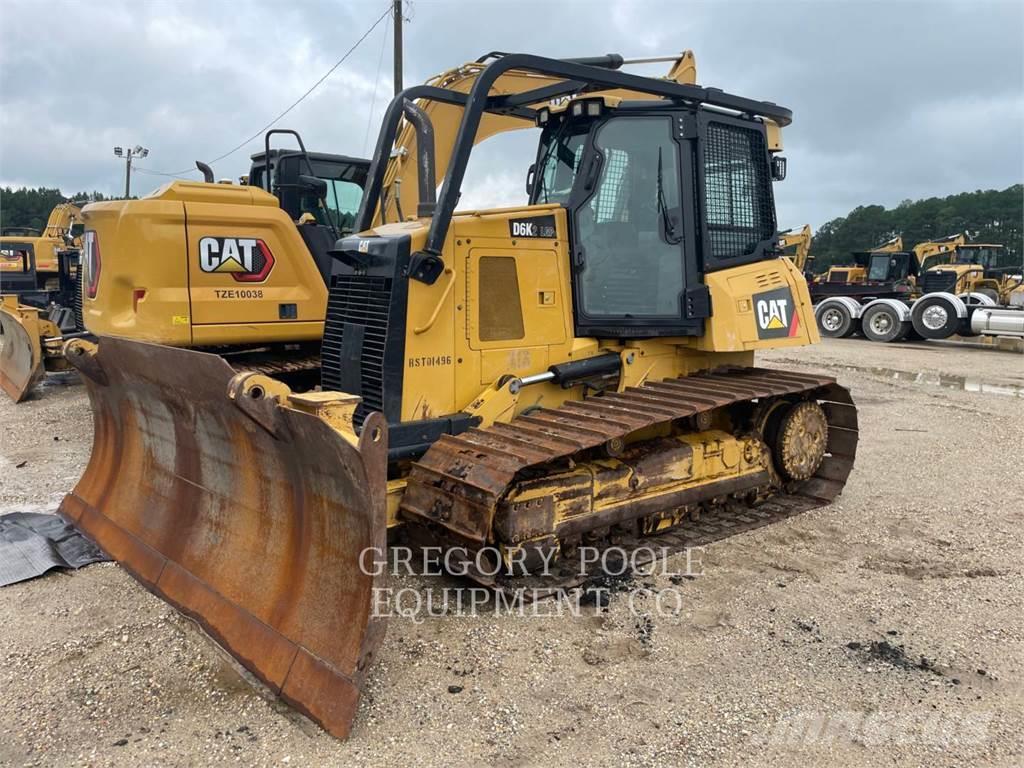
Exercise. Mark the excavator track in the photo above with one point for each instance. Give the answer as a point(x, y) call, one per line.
point(458, 485)
point(271, 365)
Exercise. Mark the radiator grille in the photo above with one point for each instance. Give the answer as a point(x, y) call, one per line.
point(932, 281)
point(79, 316)
point(737, 188)
point(363, 301)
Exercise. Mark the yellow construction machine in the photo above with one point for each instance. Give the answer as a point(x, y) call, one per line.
point(858, 271)
point(954, 265)
point(513, 385)
point(796, 245)
point(38, 276)
point(940, 288)
point(22, 248)
point(240, 270)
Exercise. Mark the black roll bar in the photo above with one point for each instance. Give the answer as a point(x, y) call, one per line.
point(599, 75)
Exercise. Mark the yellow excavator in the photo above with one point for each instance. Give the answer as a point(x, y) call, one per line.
point(796, 245)
point(22, 248)
point(513, 385)
point(240, 270)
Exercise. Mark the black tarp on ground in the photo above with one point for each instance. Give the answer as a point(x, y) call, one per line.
point(31, 543)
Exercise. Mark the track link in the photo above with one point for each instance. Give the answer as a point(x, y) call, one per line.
point(458, 484)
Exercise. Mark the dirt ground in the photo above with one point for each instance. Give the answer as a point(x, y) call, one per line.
point(886, 628)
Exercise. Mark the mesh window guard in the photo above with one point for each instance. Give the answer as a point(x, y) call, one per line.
point(737, 190)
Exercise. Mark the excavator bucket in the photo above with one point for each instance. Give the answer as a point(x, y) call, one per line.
point(21, 353)
point(257, 519)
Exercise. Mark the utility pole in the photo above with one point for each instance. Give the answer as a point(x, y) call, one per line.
point(397, 23)
point(136, 151)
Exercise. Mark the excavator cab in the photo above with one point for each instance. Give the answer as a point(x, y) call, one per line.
point(321, 192)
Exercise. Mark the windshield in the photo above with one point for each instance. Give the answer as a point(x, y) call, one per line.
point(15, 257)
point(986, 256)
point(562, 149)
point(879, 269)
point(342, 201)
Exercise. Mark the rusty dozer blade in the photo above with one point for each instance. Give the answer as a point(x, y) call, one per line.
point(245, 513)
point(21, 353)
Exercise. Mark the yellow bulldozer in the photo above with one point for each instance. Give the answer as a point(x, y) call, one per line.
point(513, 385)
point(240, 270)
point(858, 271)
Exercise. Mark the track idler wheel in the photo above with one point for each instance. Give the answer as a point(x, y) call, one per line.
point(800, 441)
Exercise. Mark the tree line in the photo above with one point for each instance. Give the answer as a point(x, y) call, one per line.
point(992, 216)
point(986, 216)
point(31, 208)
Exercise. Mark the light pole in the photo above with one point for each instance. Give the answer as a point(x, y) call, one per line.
point(136, 151)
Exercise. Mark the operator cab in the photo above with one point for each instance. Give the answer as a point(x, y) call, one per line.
point(657, 194)
point(986, 256)
point(321, 192)
point(888, 267)
point(343, 176)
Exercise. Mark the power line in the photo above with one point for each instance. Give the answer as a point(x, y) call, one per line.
point(294, 104)
point(376, 83)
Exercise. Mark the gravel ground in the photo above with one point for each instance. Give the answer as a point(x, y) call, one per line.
point(886, 628)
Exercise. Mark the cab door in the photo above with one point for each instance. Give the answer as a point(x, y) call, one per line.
point(630, 259)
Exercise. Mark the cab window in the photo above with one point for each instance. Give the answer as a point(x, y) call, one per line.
point(632, 255)
point(879, 269)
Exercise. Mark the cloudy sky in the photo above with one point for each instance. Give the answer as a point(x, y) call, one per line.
point(892, 100)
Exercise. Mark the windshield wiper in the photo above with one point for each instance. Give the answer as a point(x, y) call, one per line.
point(666, 218)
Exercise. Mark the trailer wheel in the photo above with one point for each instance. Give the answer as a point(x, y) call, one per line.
point(835, 321)
point(882, 323)
point(935, 316)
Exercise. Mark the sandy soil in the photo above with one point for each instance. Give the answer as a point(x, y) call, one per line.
point(884, 629)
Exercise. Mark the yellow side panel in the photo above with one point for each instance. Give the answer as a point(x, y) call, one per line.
point(521, 361)
point(446, 362)
point(534, 292)
point(142, 249)
point(539, 294)
point(428, 385)
point(758, 306)
point(263, 333)
point(244, 263)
